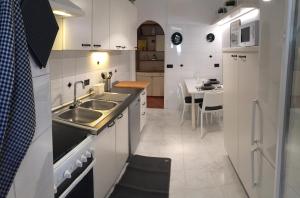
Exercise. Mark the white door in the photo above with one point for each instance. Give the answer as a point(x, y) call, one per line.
point(101, 9)
point(122, 141)
point(264, 177)
point(77, 31)
point(247, 93)
point(230, 106)
point(104, 170)
point(118, 24)
point(132, 27)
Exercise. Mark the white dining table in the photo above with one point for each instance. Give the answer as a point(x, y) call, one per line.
point(191, 85)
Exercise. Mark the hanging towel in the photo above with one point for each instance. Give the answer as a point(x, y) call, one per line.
point(17, 113)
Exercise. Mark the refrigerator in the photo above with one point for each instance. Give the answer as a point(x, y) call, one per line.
point(288, 165)
point(266, 106)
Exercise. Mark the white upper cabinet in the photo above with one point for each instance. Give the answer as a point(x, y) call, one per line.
point(123, 21)
point(100, 24)
point(105, 25)
point(77, 31)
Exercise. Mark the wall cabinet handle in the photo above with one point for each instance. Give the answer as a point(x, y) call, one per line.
point(97, 45)
point(86, 45)
point(118, 46)
point(234, 56)
point(242, 56)
point(253, 125)
point(253, 170)
point(111, 124)
point(123, 47)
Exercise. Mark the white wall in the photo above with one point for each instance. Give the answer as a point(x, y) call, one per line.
point(193, 18)
point(71, 66)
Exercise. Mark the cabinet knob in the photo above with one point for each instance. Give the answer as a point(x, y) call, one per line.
point(79, 164)
point(67, 174)
point(83, 158)
point(97, 45)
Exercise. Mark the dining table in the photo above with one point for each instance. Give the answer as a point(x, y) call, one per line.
point(194, 89)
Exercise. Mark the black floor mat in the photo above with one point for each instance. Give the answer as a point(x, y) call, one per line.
point(145, 177)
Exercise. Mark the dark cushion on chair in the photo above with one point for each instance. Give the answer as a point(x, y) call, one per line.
point(188, 99)
point(212, 108)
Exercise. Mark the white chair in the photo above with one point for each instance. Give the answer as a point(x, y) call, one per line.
point(185, 100)
point(212, 103)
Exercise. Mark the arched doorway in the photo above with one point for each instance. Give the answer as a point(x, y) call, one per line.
point(150, 61)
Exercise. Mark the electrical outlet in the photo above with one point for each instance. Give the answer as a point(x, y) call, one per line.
point(86, 82)
point(217, 65)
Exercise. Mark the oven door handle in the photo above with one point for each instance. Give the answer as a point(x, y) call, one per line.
point(78, 179)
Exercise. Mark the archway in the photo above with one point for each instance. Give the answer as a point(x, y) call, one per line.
point(150, 61)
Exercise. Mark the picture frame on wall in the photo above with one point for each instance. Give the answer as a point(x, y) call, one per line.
point(235, 33)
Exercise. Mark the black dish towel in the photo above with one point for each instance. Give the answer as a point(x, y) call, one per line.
point(17, 113)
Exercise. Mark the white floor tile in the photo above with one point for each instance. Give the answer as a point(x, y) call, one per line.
point(200, 167)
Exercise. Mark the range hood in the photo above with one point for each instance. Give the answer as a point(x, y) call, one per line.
point(65, 8)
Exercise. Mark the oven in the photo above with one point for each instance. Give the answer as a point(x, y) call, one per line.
point(73, 163)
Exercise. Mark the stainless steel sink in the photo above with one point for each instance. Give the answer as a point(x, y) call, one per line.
point(80, 116)
point(99, 105)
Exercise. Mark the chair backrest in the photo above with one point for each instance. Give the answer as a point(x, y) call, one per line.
point(181, 91)
point(212, 99)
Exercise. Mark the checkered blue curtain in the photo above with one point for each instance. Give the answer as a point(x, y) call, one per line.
point(17, 114)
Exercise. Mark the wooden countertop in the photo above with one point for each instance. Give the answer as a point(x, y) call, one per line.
point(133, 84)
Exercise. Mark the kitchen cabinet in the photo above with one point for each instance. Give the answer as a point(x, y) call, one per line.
point(230, 107)
point(143, 109)
point(111, 150)
point(105, 154)
point(156, 80)
point(101, 24)
point(122, 141)
point(123, 22)
point(247, 93)
point(35, 175)
point(77, 31)
point(240, 92)
point(58, 43)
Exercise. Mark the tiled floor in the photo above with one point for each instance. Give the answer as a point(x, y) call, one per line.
point(200, 168)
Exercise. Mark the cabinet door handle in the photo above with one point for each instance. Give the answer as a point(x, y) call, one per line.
point(144, 113)
point(143, 93)
point(111, 124)
point(86, 45)
point(242, 56)
point(253, 176)
point(120, 116)
point(144, 103)
point(97, 45)
point(253, 125)
point(118, 46)
point(123, 47)
point(234, 56)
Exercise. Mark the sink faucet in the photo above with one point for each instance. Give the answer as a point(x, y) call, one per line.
point(75, 102)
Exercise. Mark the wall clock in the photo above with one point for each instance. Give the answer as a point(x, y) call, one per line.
point(177, 38)
point(210, 37)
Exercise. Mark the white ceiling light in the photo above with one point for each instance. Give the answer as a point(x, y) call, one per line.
point(65, 8)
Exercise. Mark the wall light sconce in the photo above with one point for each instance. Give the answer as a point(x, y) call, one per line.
point(100, 57)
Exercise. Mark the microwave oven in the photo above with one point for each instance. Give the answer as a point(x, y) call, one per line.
point(249, 34)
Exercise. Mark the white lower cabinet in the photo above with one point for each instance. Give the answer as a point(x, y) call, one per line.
point(34, 178)
point(104, 170)
point(122, 141)
point(111, 152)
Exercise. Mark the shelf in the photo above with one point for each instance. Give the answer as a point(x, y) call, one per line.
point(254, 49)
point(236, 12)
